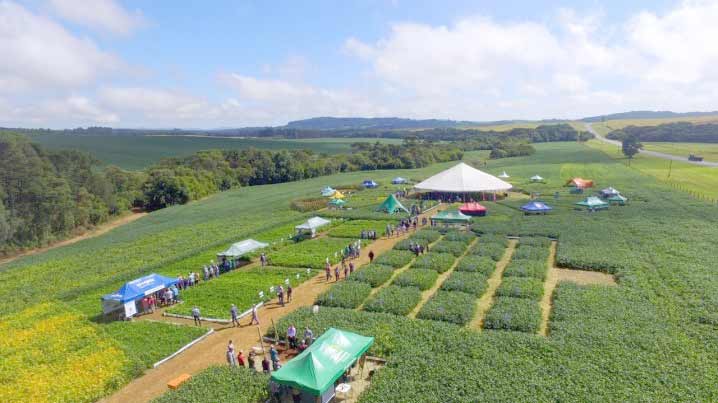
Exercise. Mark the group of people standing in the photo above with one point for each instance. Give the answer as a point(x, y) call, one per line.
point(273, 363)
point(347, 269)
point(417, 248)
point(402, 227)
point(368, 234)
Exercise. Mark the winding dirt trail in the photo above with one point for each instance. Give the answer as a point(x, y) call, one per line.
point(97, 231)
point(212, 350)
point(487, 299)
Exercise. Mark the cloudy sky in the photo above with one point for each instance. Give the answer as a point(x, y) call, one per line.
point(217, 63)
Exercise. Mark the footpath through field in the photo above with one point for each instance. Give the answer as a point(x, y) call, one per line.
point(212, 350)
point(487, 299)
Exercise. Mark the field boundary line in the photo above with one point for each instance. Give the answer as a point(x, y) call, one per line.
point(426, 295)
point(484, 303)
point(183, 348)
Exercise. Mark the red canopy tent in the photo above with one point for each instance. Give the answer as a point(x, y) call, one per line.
point(473, 209)
point(580, 183)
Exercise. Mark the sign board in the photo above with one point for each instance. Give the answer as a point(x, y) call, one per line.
point(261, 294)
point(130, 309)
point(286, 281)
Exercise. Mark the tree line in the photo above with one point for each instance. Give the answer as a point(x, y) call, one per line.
point(48, 195)
point(686, 132)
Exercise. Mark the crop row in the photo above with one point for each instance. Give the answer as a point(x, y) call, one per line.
point(395, 258)
point(221, 384)
point(353, 228)
point(420, 278)
point(455, 248)
point(437, 261)
point(464, 281)
point(395, 300)
point(311, 253)
point(449, 306)
point(518, 314)
point(346, 294)
point(373, 274)
point(492, 250)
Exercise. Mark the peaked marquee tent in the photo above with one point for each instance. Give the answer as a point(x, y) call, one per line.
point(125, 298)
point(337, 202)
point(536, 207)
point(311, 225)
point(338, 195)
point(242, 248)
point(462, 178)
point(391, 205)
point(317, 368)
point(473, 209)
point(593, 203)
point(536, 178)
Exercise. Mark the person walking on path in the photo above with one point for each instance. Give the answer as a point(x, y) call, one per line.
point(195, 316)
point(328, 271)
point(371, 256)
point(255, 317)
point(231, 359)
point(351, 268)
point(274, 355)
point(336, 273)
point(233, 313)
point(292, 336)
point(251, 360)
point(263, 259)
point(241, 359)
point(289, 293)
point(265, 365)
point(346, 272)
point(280, 295)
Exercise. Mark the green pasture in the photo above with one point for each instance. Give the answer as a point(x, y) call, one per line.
point(709, 151)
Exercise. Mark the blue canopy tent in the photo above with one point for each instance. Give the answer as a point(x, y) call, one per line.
point(536, 207)
point(369, 184)
point(125, 299)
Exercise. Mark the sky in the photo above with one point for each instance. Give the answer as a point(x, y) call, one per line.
point(221, 63)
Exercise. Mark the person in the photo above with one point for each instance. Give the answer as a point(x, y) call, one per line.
point(351, 267)
point(280, 295)
point(292, 336)
point(195, 315)
point(152, 302)
point(255, 317)
point(241, 360)
point(296, 395)
point(346, 272)
point(371, 256)
point(308, 335)
point(231, 359)
point(302, 346)
point(274, 355)
point(263, 259)
point(265, 365)
point(251, 360)
point(206, 273)
point(328, 270)
point(336, 273)
point(289, 293)
point(233, 314)
point(175, 294)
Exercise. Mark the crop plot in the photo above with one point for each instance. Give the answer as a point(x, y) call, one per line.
point(347, 294)
point(394, 299)
point(312, 253)
point(353, 228)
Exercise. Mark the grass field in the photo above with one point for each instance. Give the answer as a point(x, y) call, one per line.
point(621, 123)
point(654, 337)
point(709, 151)
point(137, 152)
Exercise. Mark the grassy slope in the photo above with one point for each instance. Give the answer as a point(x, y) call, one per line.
point(137, 152)
point(709, 151)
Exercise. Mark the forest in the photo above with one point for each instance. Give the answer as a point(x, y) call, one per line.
point(679, 132)
point(48, 195)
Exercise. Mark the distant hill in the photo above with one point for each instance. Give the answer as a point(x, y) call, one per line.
point(646, 115)
point(331, 123)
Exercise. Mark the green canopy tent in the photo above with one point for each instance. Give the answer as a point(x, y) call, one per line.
point(318, 367)
point(617, 199)
point(337, 203)
point(450, 217)
point(593, 203)
point(391, 205)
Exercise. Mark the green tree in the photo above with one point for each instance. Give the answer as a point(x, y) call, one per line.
point(631, 146)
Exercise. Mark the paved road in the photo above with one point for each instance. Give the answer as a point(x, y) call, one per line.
point(653, 153)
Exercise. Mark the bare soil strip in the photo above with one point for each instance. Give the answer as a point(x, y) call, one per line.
point(487, 299)
point(97, 231)
point(211, 351)
point(439, 281)
point(555, 275)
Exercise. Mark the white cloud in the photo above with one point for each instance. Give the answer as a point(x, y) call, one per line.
point(105, 15)
point(38, 53)
point(56, 112)
point(155, 104)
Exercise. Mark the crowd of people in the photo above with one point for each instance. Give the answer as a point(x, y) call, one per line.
point(368, 234)
point(403, 227)
point(273, 363)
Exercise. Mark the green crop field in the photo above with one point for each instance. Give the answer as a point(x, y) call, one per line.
point(137, 152)
point(653, 337)
point(709, 151)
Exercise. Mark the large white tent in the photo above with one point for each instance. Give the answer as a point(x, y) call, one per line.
point(242, 248)
point(463, 178)
point(311, 225)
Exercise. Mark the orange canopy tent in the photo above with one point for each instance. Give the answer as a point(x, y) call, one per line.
point(580, 183)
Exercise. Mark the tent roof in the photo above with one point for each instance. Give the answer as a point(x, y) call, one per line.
point(140, 287)
point(592, 201)
point(451, 216)
point(504, 175)
point(313, 223)
point(243, 247)
point(462, 178)
point(618, 197)
point(391, 205)
point(338, 195)
point(537, 178)
point(328, 191)
point(337, 202)
point(398, 179)
point(319, 366)
point(472, 206)
point(580, 182)
point(536, 206)
point(610, 191)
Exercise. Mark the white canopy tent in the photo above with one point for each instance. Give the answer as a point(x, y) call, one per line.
point(311, 225)
point(536, 178)
point(463, 178)
point(504, 175)
point(242, 248)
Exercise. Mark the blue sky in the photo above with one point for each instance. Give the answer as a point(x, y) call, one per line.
point(211, 64)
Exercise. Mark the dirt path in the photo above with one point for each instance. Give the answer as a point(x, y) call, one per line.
point(487, 299)
point(556, 275)
point(426, 295)
point(212, 349)
point(97, 231)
